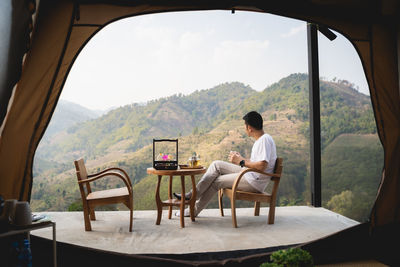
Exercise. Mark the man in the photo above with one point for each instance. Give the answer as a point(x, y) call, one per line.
point(221, 174)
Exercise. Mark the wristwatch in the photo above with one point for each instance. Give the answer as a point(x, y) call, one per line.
point(241, 163)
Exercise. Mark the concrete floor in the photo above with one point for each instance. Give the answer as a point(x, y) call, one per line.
point(209, 233)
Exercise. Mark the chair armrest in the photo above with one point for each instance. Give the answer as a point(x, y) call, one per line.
point(103, 174)
point(111, 169)
point(246, 170)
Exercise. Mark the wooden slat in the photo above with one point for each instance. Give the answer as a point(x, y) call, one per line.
point(174, 202)
point(253, 197)
point(110, 193)
point(250, 196)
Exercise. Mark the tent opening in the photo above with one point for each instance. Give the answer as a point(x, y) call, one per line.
point(192, 76)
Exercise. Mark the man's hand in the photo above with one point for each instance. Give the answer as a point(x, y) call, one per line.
point(235, 157)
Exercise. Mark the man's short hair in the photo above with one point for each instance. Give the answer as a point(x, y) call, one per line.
point(254, 119)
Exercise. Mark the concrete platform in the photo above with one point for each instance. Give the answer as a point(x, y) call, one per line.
point(209, 233)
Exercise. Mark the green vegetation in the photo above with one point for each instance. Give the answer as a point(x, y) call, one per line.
point(210, 123)
point(166, 117)
point(351, 171)
point(293, 257)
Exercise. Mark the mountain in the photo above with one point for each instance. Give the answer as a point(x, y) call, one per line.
point(210, 123)
point(133, 126)
point(67, 114)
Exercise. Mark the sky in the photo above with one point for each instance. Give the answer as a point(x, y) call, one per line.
point(146, 57)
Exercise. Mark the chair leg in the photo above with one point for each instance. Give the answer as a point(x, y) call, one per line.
point(131, 220)
point(129, 205)
point(271, 213)
point(233, 207)
point(88, 226)
point(256, 208)
point(92, 215)
point(170, 196)
point(169, 212)
point(221, 206)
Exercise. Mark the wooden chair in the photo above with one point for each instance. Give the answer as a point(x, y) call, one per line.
point(235, 194)
point(111, 196)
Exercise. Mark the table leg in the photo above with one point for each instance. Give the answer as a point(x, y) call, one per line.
point(54, 245)
point(193, 199)
point(158, 201)
point(182, 210)
point(170, 196)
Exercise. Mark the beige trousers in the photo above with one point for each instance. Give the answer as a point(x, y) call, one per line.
point(220, 174)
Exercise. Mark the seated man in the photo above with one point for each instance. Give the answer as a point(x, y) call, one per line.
point(222, 174)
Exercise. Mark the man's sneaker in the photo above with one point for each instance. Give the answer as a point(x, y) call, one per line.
point(186, 213)
point(187, 196)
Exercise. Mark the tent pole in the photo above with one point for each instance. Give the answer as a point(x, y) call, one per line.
point(398, 53)
point(315, 127)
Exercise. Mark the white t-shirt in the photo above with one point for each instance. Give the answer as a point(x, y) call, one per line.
point(263, 149)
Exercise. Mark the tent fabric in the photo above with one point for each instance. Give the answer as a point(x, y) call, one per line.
point(30, 106)
point(15, 27)
point(63, 27)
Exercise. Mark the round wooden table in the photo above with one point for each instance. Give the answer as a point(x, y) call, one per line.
point(175, 202)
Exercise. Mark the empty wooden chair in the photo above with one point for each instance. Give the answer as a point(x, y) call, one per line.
point(257, 198)
point(103, 197)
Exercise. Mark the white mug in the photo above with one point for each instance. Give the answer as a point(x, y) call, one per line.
point(8, 214)
point(23, 214)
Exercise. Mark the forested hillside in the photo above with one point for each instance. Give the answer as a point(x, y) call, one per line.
point(210, 123)
point(68, 114)
point(167, 117)
point(347, 164)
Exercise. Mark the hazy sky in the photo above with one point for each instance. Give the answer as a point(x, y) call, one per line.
point(147, 57)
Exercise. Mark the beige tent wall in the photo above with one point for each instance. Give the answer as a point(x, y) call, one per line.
point(30, 99)
point(62, 32)
point(386, 103)
point(16, 23)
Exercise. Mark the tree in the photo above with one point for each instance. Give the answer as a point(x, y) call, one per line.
point(341, 203)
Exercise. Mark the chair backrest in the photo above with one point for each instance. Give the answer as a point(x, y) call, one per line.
point(278, 166)
point(81, 174)
point(277, 170)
